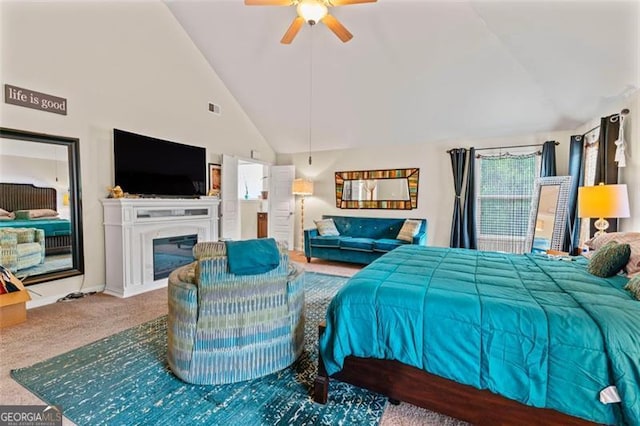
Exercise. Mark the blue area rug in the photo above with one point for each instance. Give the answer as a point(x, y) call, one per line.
point(124, 379)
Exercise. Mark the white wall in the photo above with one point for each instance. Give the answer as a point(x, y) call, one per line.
point(631, 174)
point(38, 171)
point(435, 195)
point(126, 65)
point(435, 192)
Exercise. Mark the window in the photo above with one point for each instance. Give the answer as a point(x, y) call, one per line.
point(250, 180)
point(503, 200)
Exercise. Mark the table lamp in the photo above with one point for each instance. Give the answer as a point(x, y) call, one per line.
point(302, 187)
point(603, 201)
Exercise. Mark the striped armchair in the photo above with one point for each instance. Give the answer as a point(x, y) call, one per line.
point(21, 248)
point(226, 328)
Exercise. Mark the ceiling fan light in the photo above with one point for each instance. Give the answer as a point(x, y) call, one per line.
point(312, 11)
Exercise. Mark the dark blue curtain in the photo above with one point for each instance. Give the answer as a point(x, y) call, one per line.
point(606, 168)
point(469, 238)
point(548, 162)
point(458, 161)
point(576, 171)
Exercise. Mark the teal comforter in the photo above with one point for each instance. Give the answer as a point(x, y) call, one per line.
point(51, 227)
point(541, 331)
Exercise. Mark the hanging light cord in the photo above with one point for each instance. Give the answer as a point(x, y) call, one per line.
point(310, 84)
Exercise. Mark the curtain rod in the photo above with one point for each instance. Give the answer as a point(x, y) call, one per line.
point(590, 130)
point(507, 147)
point(622, 113)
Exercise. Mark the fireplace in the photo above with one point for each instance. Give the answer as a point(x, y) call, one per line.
point(147, 238)
point(170, 253)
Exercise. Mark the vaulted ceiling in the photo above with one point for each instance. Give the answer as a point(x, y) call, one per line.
point(420, 71)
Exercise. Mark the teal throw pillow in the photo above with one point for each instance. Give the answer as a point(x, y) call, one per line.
point(633, 286)
point(609, 259)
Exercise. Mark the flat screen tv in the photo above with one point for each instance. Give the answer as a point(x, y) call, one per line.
point(153, 167)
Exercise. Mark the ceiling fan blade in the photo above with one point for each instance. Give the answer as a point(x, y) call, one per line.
point(292, 31)
point(348, 2)
point(337, 28)
point(268, 2)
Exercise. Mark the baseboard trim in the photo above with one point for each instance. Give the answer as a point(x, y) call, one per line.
point(48, 300)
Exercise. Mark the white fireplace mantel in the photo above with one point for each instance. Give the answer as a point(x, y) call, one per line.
point(131, 225)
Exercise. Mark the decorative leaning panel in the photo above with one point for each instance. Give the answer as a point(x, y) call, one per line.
point(561, 222)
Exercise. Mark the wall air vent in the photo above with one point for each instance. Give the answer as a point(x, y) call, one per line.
point(214, 108)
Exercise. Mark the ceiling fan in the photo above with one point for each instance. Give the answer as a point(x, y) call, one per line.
point(311, 12)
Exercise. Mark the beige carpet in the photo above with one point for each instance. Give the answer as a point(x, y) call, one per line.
point(55, 329)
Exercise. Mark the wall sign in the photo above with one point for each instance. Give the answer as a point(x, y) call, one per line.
point(36, 100)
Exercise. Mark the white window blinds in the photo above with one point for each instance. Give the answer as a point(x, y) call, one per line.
point(503, 200)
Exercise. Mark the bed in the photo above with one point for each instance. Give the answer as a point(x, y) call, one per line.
point(20, 196)
point(487, 337)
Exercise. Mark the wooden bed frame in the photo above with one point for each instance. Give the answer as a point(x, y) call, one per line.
point(400, 382)
point(25, 196)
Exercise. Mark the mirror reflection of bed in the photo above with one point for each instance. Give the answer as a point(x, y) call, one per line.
point(47, 216)
point(37, 190)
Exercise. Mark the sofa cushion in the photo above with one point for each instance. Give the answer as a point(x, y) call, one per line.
point(362, 244)
point(387, 244)
point(24, 235)
point(325, 241)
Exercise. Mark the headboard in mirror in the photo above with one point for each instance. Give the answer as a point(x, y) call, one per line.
point(548, 214)
point(395, 189)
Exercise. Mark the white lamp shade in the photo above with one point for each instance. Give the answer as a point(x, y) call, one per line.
point(311, 10)
point(603, 201)
point(302, 187)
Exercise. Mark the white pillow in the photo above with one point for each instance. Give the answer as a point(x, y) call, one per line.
point(5, 215)
point(326, 227)
point(410, 229)
point(35, 214)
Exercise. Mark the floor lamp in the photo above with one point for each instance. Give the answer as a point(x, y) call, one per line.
point(603, 201)
point(302, 187)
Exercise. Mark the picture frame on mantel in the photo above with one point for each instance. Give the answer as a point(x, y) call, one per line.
point(215, 179)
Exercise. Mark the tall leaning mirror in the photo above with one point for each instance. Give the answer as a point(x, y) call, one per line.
point(40, 206)
point(548, 214)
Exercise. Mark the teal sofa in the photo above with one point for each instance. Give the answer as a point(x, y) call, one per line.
point(361, 240)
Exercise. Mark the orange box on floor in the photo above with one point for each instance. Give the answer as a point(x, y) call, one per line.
point(13, 306)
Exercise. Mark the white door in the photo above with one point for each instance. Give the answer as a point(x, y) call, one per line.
point(281, 203)
point(230, 213)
